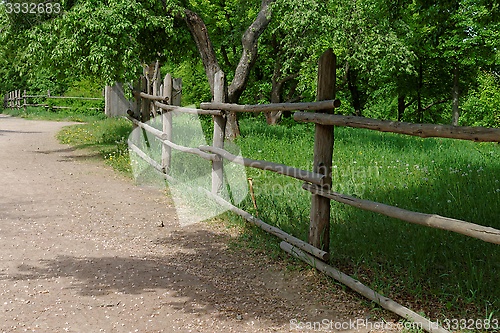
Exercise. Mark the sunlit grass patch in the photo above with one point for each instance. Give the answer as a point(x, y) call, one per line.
point(108, 137)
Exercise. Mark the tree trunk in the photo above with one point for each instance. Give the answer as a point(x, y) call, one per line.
point(202, 40)
point(249, 42)
point(273, 117)
point(420, 110)
point(355, 98)
point(455, 96)
point(401, 107)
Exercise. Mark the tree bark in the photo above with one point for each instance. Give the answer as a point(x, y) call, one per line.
point(455, 96)
point(202, 40)
point(249, 41)
point(402, 106)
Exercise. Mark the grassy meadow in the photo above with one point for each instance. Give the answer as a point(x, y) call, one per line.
point(435, 272)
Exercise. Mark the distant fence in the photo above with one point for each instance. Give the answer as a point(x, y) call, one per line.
point(18, 99)
point(318, 181)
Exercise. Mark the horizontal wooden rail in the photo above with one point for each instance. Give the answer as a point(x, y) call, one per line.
point(148, 128)
point(247, 216)
point(167, 107)
point(144, 156)
point(70, 97)
point(282, 169)
point(481, 134)
point(367, 292)
point(36, 96)
point(194, 151)
point(486, 234)
point(322, 105)
point(148, 96)
point(56, 97)
point(269, 228)
point(162, 136)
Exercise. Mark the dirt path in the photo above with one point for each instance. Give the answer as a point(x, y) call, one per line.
point(81, 251)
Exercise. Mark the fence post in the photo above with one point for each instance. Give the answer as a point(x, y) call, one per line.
point(18, 102)
point(145, 105)
point(219, 134)
point(319, 229)
point(156, 86)
point(166, 151)
point(25, 101)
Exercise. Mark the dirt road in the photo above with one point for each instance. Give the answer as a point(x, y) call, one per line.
point(81, 250)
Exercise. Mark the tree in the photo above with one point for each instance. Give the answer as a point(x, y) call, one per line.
point(461, 36)
point(111, 39)
point(249, 42)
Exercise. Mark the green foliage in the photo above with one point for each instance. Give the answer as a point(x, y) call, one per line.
point(482, 107)
point(385, 50)
point(74, 41)
point(194, 81)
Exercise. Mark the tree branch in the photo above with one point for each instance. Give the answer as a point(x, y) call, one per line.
point(435, 103)
point(249, 42)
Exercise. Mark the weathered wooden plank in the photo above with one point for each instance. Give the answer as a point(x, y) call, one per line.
point(190, 150)
point(486, 234)
point(181, 109)
point(144, 156)
point(218, 134)
point(166, 151)
point(269, 228)
point(282, 169)
point(71, 97)
point(148, 128)
point(149, 97)
point(360, 288)
point(320, 105)
point(480, 134)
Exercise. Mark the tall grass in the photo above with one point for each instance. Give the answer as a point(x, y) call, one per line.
point(441, 271)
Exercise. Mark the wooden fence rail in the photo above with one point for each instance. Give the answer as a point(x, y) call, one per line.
point(17, 100)
point(480, 134)
point(319, 180)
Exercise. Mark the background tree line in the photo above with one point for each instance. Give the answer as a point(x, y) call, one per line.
point(420, 61)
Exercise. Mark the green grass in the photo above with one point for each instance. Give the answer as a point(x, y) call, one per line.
point(439, 273)
point(108, 137)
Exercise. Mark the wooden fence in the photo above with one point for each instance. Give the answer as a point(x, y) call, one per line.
point(318, 181)
point(17, 100)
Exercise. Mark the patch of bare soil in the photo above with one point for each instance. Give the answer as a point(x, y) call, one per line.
point(81, 250)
